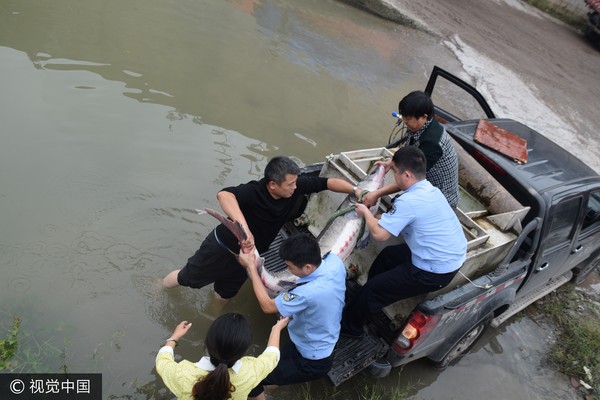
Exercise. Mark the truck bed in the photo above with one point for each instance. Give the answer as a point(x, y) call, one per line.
point(487, 242)
point(489, 237)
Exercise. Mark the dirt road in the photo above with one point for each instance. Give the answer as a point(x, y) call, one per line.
point(535, 68)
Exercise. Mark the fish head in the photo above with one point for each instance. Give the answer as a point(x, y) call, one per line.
point(374, 180)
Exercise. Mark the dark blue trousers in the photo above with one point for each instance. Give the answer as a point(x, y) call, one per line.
point(293, 368)
point(392, 277)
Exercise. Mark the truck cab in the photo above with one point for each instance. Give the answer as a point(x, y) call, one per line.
point(562, 191)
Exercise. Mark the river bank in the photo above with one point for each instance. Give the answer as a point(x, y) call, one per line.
point(574, 312)
point(530, 66)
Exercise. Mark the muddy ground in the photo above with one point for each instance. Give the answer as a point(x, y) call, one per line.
point(544, 52)
point(530, 54)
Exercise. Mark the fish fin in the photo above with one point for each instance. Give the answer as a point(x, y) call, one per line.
point(364, 236)
point(234, 226)
point(364, 241)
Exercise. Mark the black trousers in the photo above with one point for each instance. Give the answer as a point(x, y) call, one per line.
point(212, 263)
point(293, 368)
point(392, 277)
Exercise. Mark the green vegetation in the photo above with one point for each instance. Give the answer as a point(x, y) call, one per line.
point(559, 12)
point(578, 342)
point(377, 392)
point(364, 388)
point(8, 346)
point(33, 356)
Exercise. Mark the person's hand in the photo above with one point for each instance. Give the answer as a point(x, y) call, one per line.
point(181, 330)
point(247, 246)
point(369, 198)
point(361, 209)
point(281, 323)
point(387, 164)
point(247, 260)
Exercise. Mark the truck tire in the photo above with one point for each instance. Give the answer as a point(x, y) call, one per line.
point(464, 344)
point(579, 275)
point(379, 369)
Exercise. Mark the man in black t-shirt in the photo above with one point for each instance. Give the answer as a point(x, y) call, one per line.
point(261, 207)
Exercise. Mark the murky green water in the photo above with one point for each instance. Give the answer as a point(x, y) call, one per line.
point(118, 119)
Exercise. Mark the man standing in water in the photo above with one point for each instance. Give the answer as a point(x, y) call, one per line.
point(261, 207)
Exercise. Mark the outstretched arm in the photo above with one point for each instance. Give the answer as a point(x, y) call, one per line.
point(267, 304)
point(378, 233)
point(341, 186)
point(178, 333)
point(371, 197)
point(276, 331)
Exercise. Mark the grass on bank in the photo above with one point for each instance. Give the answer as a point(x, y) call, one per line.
point(559, 12)
point(362, 388)
point(8, 346)
point(578, 334)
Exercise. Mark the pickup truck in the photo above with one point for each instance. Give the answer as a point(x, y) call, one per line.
point(531, 227)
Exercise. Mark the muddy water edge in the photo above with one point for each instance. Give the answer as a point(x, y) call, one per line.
point(119, 119)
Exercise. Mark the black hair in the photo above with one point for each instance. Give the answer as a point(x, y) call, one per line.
point(416, 104)
point(227, 340)
point(301, 249)
point(280, 166)
point(411, 158)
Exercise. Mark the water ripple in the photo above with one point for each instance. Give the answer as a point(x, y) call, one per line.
point(19, 284)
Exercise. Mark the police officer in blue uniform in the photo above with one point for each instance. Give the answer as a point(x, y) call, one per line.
point(314, 307)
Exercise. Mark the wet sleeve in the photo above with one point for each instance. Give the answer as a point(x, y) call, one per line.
point(168, 369)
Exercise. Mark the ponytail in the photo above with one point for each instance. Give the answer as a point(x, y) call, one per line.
point(214, 386)
point(227, 339)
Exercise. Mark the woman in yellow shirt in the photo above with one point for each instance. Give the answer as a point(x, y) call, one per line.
point(225, 373)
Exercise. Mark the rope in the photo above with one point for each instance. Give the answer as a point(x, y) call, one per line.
point(346, 210)
point(339, 213)
point(486, 286)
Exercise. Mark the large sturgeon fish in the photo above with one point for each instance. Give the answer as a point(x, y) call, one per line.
point(339, 236)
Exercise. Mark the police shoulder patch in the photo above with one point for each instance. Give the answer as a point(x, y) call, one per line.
point(289, 296)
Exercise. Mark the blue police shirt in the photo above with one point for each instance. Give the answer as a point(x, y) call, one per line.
point(315, 307)
point(429, 227)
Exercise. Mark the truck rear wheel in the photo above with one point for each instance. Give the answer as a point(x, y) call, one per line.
point(379, 369)
point(464, 343)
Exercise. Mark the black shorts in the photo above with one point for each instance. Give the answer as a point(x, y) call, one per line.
point(293, 368)
point(212, 263)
